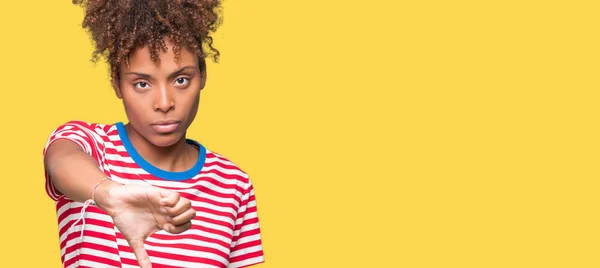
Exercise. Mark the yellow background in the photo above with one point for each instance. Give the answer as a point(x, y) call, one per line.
point(377, 133)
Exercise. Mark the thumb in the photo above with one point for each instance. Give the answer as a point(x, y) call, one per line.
point(168, 198)
point(165, 193)
point(137, 245)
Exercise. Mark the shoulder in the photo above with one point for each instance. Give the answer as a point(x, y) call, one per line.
point(222, 166)
point(90, 136)
point(85, 125)
point(83, 130)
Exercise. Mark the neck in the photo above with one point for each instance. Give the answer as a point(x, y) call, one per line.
point(178, 157)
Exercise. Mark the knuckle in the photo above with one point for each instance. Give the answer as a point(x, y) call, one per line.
point(178, 229)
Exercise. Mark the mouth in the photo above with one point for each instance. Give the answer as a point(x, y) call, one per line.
point(166, 126)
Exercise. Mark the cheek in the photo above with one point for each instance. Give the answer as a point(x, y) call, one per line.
point(133, 109)
point(192, 105)
point(196, 102)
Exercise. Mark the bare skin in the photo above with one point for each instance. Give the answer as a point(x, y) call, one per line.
point(161, 101)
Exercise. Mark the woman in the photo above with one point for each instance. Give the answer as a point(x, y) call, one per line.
point(142, 193)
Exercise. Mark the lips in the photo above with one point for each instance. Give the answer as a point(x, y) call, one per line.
point(165, 126)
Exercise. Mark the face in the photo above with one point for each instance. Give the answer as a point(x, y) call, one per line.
point(161, 100)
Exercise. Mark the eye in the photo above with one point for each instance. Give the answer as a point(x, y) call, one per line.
point(141, 85)
point(182, 81)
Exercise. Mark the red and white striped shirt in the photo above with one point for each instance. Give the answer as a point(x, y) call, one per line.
point(224, 233)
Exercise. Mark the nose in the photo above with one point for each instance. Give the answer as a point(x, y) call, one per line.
point(164, 101)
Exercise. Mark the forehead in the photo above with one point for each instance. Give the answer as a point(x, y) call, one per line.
point(140, 59)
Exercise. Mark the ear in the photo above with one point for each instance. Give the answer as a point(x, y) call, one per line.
point(116, 86)
point(202, 66)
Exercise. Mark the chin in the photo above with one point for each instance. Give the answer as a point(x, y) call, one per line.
point(165, 140)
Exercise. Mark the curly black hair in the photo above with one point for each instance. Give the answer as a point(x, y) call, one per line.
point(119, 26)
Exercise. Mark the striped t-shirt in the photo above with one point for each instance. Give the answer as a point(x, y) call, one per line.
point(224, 233)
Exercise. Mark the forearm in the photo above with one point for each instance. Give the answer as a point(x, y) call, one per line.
point(74, 172)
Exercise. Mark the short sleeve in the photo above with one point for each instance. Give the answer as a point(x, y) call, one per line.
point(81, 133)
point(246, 246)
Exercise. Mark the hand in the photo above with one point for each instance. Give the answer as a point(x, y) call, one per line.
point(138, 211)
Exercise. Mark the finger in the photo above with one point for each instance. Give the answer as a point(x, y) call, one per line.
point(183, 205)
point(169, 198)
point(177, 229)
point(184, 217)
point(164, 193)
point(137, 245)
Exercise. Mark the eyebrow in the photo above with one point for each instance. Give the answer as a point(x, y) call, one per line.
point(147, 76)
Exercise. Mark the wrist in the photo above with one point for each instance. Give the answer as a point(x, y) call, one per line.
point(102, 194)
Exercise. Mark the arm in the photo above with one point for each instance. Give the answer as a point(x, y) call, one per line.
point(75, 173)
point(72, 161)
point(246, 246)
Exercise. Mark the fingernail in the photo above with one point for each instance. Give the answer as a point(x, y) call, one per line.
point(164, 210)
point(169, 218)
point(166, 228)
